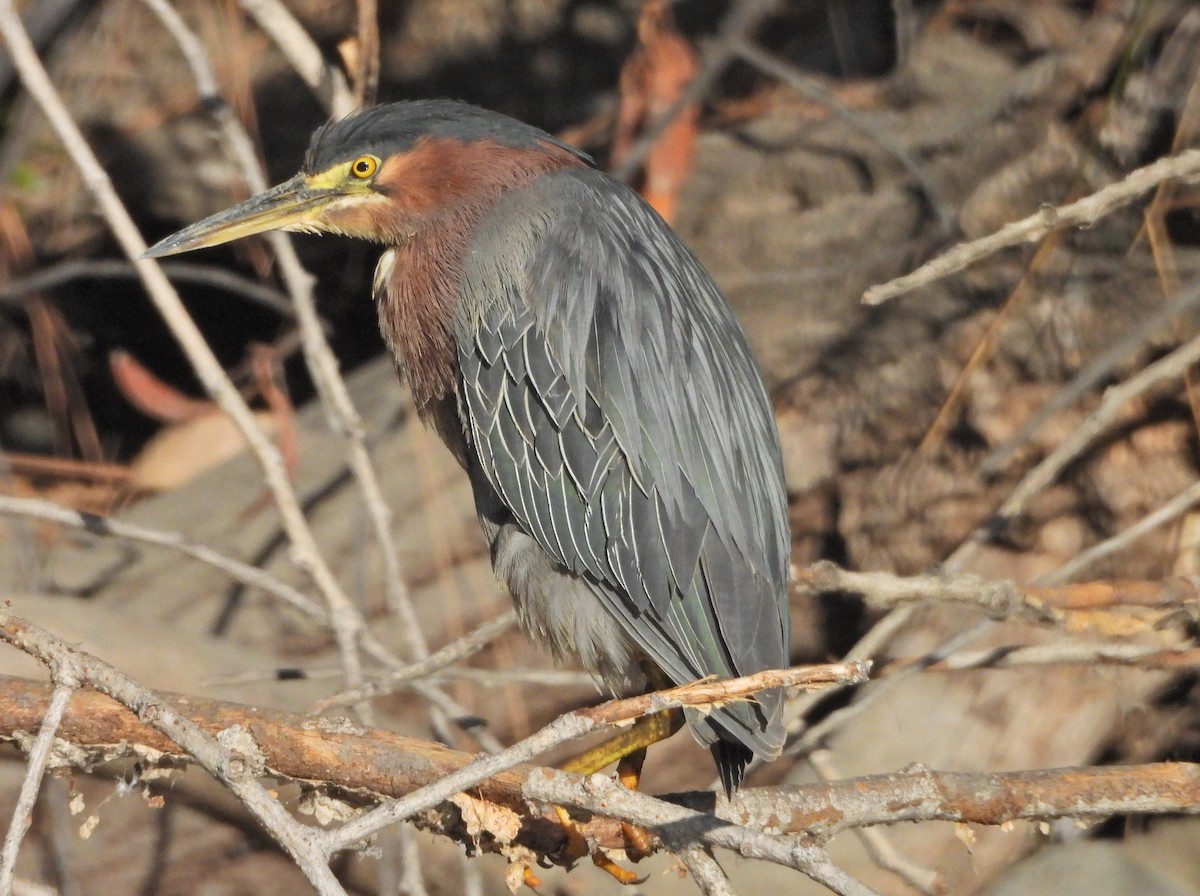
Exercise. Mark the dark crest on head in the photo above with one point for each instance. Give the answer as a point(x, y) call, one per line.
point(394, 128)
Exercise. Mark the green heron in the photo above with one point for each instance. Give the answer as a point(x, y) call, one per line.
point(590, 378)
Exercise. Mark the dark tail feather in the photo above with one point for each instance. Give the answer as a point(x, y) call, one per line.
point(732, 759)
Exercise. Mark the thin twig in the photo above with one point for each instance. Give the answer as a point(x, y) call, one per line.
point(61, 837)
point(343, 616)
point(1082, 213)
point(412, 880)
point(252, 576)
point(905, 19)
point(327, 83)
point(868, 647)
point(39, 757)
point(1088, 378)
point(815, 862)
point(487, 678)
point(951, 409)
point(366, 80)
point(343, 417)
point(1165, 370)
point(1060, 653)
point(1045, 601)
point(1160, 516)
point(179, 271)
point(456, 651)
point(812, 736)
point(710, 877)
point(472, 877)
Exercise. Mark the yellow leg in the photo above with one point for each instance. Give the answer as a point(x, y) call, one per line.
point(634, 739)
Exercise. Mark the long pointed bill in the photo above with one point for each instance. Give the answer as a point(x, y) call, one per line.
point(291, 205)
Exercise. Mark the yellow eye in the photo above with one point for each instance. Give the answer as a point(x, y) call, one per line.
point(364, 167)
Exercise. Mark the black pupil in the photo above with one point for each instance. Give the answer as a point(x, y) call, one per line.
point(363, 166)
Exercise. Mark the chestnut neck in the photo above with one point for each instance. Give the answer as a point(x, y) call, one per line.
point(442, 190)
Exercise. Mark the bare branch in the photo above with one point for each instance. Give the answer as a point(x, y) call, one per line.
point(39, 757)
point(879, 847)
point(178, 271)
point(251, 576)
point(343, 417)
point(366, 78)
point(708, 875)
point(679, 825)
point(236, 770)
point(1005, 599)
point(454, 652)
point(1160, 516)
point(327, 83)
point(988, 798)
point(378, 762)
point(573, 725)
point(1088, 378)
point(905, 18)
point(1081, 653)
point(1082, 213)
point(1167, 369)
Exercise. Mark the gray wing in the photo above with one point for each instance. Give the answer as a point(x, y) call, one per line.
point(616, 410)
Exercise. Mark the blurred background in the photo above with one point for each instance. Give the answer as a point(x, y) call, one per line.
point(815, 148)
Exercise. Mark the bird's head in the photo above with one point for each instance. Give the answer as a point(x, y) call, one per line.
point(379, 174)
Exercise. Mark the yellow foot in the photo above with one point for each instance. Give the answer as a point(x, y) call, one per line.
point(638, 842)
point(628, 750)
point(577, 847)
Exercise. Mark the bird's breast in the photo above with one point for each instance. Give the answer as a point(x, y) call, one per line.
point(416, 295)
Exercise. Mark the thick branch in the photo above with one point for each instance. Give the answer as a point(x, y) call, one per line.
point(989, 798)
point(373, 764)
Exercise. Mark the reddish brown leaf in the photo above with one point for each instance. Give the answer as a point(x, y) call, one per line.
point(152, 396)
point(653, 78)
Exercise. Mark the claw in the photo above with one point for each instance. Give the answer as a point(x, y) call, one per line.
point(529, 879)
point(577, 847)
point(628, 750)
point(622, 875)
point(638, 844)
